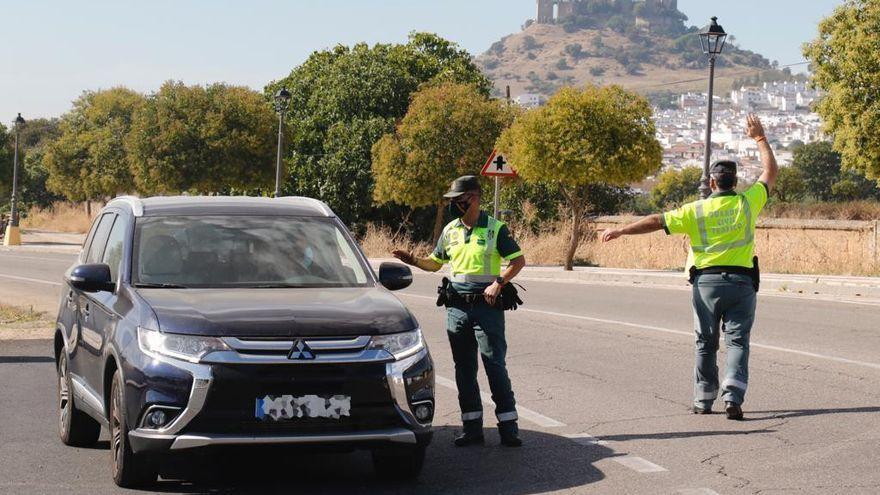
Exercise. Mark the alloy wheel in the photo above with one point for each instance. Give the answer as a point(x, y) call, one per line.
point(116, 427)
point(63, 396)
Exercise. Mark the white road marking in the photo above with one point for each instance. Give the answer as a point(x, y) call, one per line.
point(524, 413)
point(585, 439)
point(653, 328)
point(638, 464)
point(68, 261)
point(25, 279)
point(698, 491)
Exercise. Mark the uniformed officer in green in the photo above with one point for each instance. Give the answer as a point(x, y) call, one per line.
point(474, 245)
point(721, 230)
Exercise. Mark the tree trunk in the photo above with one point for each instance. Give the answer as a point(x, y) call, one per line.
point(89, 208)
point(575, 237)
point(438, 222)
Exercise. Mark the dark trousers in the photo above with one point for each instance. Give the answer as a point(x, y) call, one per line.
point(474, 329)
point(723, 303)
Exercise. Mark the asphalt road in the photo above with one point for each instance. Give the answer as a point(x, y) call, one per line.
point(603, 380)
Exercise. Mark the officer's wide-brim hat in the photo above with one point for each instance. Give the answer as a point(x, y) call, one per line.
point(463, 185)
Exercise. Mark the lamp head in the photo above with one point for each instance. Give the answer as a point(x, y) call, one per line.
point(712, 38)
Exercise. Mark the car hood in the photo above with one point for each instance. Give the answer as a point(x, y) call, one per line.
point(277, 313)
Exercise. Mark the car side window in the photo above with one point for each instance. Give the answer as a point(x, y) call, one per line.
point(113, 252)
point(99, 240)
point(88, 242)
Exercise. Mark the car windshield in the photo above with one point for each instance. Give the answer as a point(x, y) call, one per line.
point(244, 251)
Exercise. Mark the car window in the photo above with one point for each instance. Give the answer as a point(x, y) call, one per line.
point(99, 240)
point(113, 252)
point(244, 251)
point(84, 253)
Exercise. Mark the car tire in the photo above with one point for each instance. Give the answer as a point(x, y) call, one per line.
point(75, 427)
point(129, 469)
point(399, 463)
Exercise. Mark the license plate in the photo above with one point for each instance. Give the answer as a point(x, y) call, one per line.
point(287, 407)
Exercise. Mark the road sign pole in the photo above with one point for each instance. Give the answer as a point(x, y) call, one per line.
point(497, 191)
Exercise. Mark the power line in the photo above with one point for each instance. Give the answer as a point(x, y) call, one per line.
point(724, 76)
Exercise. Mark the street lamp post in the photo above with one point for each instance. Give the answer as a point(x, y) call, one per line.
point(712, 40)
point(13, 235)
point(282, 100)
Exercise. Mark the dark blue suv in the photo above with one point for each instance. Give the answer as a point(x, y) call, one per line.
point(194, 322)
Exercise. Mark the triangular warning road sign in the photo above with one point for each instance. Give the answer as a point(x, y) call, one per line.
point(498, 166)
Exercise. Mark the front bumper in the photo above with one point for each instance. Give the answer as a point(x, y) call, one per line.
point(387, 393)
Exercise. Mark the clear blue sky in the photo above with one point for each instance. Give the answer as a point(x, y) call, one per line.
point(53, 50)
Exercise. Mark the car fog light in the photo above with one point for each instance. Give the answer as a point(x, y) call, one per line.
point(424, 412)
point(157, 418)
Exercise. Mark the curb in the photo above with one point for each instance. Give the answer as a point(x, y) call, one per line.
point(854, 289)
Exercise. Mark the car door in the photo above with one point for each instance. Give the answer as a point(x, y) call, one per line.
point(87, 361)
point(104, 311)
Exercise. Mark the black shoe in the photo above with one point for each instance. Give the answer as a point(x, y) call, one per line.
point(734, 411)
point(466, 439)
point(509, 432)
point(702, 410)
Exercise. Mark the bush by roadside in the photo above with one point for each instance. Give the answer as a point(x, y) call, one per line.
point(60, 217)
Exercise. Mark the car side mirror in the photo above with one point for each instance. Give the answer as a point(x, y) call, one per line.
point(394, 276)
point(91, 278)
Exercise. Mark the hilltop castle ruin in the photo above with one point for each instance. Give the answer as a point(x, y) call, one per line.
point(557, 11)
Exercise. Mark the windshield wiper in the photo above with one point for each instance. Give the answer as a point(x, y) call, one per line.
point(159, 286)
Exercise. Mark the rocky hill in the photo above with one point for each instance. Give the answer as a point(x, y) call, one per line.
point(612, 46)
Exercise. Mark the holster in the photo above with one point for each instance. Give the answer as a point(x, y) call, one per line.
point(756, 274)
point(443, 293)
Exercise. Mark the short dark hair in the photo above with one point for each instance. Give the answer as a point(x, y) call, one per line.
point(725, 181)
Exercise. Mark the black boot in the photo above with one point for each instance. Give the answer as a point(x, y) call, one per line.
point(472, 434)
point(509, 432)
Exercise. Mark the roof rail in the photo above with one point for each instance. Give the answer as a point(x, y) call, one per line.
point(137, 208)
point(318, 203)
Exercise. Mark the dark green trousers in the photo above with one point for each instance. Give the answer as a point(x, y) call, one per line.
point(472, 330)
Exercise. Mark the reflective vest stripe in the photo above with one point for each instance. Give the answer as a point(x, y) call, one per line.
point(704, 235)
point(490, 247)
point(479, 279)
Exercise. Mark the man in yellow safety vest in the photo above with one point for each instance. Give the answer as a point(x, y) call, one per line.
point(474, 244)
point(721, 230)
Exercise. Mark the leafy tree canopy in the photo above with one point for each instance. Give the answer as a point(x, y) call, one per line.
point(356, 95)
point(676, 187)
point(846, 64)
point(202, 139)
point(448, 131)
point(581, 138)
point(87, 160)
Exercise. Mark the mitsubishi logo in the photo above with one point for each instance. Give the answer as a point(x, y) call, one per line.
point(300, 350)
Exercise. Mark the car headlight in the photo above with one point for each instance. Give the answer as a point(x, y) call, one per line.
point(399, 345)
point(190, 348)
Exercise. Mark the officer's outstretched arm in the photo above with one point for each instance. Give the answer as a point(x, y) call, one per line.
point(651, 223)
point(426, 264)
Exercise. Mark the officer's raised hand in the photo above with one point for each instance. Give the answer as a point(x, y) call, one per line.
point(404, 256)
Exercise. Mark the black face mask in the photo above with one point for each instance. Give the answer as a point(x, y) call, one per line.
point(457, 210)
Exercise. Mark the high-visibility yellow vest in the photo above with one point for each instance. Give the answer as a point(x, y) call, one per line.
point(721, 228)
point(473, 259)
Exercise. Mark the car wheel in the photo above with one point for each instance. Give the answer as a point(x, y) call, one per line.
point(75, 427)
point(400, 463)
point(129, 469)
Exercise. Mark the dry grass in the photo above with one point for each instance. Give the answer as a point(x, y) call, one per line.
point(849, 210)
point(15, 314)
point(380, 241)
point(60, 217)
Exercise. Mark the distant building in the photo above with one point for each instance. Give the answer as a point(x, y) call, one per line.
point(551, 11)
point(528, 100)
point(690, 100)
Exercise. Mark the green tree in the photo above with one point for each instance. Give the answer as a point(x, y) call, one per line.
point(6, 158)
point(846, 64)
point(356, 95)
point(790, 185)
point(88, 161)
point(676, 187)
point(819, 166)
point(202, 139)
point(581, 138)
point(36, 135)
point(447, 132)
